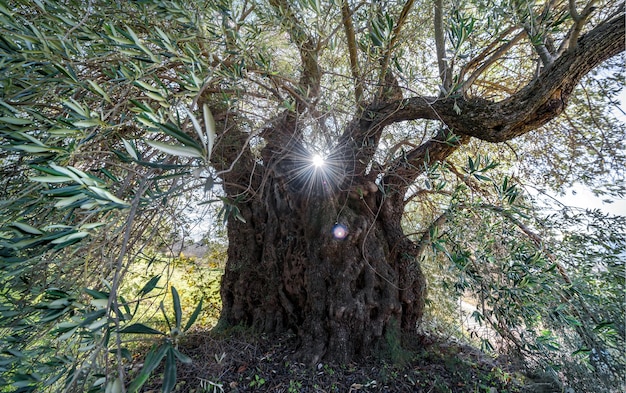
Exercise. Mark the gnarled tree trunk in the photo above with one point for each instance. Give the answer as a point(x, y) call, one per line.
point(325, 263)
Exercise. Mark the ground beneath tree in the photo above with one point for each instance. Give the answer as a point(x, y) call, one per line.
point(240, 362)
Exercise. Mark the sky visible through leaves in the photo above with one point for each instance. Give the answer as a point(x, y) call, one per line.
point(581, 197)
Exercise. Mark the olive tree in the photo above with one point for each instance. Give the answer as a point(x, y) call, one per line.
point(320, 123)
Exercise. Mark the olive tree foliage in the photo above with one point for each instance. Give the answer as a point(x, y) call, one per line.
point(432, 117)
point(84, 194)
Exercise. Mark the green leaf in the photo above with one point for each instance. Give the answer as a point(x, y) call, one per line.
point(583, 350)
point(140, 328)
point(604, 325)
point(47, 170)
point(239, 217)
point(153, 358)
point(178, 311)
point(76, 175)
point(176, 150)
point(146, 86)
point(182, 357)
point(92, 316)
point(69, 201)
point(58, 304)
point(87, 123)
point(26, 228)
point(76, 107)
point(150, 285)
point(571, 321)
point(69, 72)
point(98, 324)
point(50, 179)
point(470, 164)
point(99, 303)
point(130, 149)
point(15, 121)
point(92, 225)
point(456, 108)
point(209, 124)
point(104, 194)
point(114, 386)
point(169, 374)
point(70, 237)
point(141, 105)
point(167, 320)
point(194, 316)
point(195, 123)
point(34, 149)
point(68, 334)
point(96, 88)
point(155, 96)
point(175, 132)
point(132, 35)
point(138, 382)
point(481, 177)
point(97, 294)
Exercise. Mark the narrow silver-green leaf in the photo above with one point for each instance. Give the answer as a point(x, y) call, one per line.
point(150, 285)
point(26, 228)
point(178, 311)
point(71, 236)
point(130, 149)
point(15, 121)
point(196, 127)
point(209, 124)
point(182, 357)
point(153, 358)
point(76, 107)
point(97, 89)
point(114, 386)
point(87, 123)
point(176, 150)
point(140, 328)
point(194, 315)
point(169, 374)
point(50, 179)
point(147, 86)
point(66, 201)
point(33, 149)
point(104, 194)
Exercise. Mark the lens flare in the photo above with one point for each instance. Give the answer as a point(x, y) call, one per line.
point(318, 161)
point(314, 172)
point(340, 231)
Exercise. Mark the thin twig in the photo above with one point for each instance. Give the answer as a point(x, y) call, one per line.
point(486, 52)
point(392, 43)
point(81, 22)
point(489, 62)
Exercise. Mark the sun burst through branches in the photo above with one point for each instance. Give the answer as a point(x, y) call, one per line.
point(318, 161)
point(315, 173)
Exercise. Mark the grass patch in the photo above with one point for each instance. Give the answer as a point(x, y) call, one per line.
point(153, 279)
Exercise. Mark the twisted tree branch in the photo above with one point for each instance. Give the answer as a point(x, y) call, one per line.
point(533, 106)
point(346, 15)
point(445, 73)
point(540, 101)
